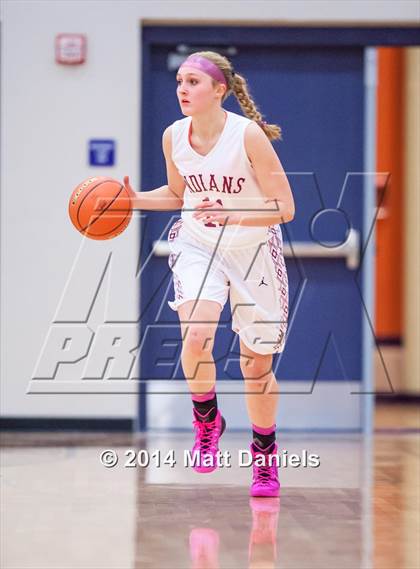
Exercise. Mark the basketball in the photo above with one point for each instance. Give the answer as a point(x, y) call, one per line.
point(100, 208)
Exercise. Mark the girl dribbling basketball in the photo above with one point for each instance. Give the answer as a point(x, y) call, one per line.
point(225, 175)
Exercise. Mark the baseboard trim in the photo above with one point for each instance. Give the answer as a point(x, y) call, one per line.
point(303, 406)
point(65, 424)
point(410, 398)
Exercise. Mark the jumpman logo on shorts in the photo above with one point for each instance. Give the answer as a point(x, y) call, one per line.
point(262, 282)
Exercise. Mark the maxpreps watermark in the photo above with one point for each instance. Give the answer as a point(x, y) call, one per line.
point(158, 458)
point(95, 344)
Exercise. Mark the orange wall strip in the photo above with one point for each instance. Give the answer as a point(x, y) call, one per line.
point(390, 154)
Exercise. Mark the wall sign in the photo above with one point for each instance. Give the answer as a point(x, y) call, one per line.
point(101, 152)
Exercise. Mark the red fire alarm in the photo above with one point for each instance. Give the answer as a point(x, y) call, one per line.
point(70, 49)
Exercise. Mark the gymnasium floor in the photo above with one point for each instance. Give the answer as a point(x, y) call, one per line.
point(61, 509)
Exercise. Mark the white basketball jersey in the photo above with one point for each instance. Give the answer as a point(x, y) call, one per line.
point(225, 173)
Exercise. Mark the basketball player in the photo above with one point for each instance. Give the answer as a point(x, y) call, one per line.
point(225, 175)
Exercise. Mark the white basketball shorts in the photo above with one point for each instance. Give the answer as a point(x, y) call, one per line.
point(255, 279)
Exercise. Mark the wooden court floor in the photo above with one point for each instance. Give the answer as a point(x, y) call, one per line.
point(62, 509)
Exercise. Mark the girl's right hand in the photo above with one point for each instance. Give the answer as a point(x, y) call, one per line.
point(128, 187)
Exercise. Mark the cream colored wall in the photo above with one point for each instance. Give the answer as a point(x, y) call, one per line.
point(411, 374)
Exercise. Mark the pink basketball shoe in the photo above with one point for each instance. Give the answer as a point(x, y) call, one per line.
point(207, 438)
point(265, 479)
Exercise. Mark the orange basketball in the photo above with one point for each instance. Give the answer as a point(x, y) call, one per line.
point(100, 208)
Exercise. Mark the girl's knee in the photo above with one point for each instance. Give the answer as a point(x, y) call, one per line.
point(257, 367)
point(198, 341)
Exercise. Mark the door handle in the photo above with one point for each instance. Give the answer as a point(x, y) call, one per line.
point(349, 250)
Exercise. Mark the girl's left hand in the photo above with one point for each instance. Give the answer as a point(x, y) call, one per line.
point(216, 213)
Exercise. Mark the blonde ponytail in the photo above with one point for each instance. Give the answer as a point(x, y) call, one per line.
point(237, 85)
point(249, 108)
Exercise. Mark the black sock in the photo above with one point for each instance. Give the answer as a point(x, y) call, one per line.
point(263, 441)
point(204, 407)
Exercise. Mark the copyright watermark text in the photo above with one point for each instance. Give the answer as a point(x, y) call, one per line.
point(157, 458)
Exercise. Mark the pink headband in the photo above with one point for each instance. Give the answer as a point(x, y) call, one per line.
point(206, 66)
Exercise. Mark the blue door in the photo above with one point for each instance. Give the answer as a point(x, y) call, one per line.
point(316, 94)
